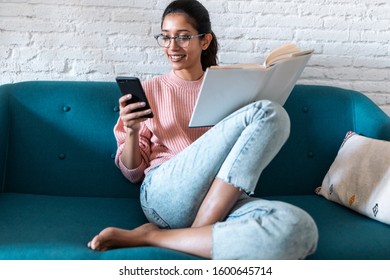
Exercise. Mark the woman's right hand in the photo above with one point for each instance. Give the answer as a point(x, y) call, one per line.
point(131, 119)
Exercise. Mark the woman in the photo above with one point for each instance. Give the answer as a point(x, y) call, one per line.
point(197, 181)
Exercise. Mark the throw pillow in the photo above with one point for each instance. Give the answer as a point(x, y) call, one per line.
point(359, 177)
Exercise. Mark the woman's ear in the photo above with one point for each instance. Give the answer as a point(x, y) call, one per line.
point(206, 41)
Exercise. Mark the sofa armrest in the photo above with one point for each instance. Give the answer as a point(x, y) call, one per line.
point(4, 123)
point(369, 119)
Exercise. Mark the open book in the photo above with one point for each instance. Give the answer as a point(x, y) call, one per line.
point(225, 89)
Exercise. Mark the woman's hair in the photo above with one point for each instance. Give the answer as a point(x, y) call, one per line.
point(199, 18)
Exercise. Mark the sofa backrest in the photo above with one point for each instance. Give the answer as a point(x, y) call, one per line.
point(320, 118)
point(59, 139)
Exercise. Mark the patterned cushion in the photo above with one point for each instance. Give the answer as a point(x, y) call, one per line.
point(359, 178)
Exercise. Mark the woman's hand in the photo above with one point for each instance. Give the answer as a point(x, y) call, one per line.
point(132, 119)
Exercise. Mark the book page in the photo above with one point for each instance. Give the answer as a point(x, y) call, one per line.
point(238, 66)
point(281, 53)
point(284, 53)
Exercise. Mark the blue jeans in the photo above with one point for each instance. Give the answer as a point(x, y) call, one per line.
point(236, 150)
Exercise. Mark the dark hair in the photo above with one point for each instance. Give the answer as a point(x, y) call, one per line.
point(199, 18)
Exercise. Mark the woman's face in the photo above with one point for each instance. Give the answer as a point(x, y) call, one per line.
point(185, 61)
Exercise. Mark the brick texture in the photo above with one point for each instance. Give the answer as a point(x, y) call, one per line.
point(99, 39)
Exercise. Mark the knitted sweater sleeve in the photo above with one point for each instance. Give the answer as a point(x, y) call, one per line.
point(165, 135)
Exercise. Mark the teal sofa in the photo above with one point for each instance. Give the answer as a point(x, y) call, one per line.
point(59, 185)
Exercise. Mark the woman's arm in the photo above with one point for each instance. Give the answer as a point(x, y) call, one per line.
point(131, 154)
point(127, 132)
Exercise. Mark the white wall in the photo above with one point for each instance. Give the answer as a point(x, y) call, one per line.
point(99, 39)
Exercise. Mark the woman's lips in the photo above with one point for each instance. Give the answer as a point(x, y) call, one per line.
point(176, 57)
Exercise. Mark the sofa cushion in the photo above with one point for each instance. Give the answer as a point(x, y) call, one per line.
point(343, 234)
point(359, 177)
point(55, 227)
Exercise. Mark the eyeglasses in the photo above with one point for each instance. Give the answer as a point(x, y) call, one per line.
point(181, 40)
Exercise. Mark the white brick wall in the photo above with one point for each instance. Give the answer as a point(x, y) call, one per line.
point(99, 39)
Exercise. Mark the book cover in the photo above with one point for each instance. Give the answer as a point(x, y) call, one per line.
point(226, 89)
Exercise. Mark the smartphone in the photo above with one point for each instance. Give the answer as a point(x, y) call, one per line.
point(132, 85)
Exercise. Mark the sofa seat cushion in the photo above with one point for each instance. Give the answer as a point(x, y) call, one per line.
point(344, 234)
point(58, 227)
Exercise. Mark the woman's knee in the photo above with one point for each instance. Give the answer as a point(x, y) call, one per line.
point(300, 235)
point(285, 232)
point(275, 115)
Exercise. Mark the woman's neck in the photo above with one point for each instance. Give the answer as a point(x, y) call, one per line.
point(189, 75)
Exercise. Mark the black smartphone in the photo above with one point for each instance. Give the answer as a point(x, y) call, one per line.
point(132, 85)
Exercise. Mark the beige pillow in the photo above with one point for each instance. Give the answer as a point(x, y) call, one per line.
point(359, 178)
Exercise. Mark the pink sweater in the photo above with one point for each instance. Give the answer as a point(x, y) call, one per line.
point(172, 101)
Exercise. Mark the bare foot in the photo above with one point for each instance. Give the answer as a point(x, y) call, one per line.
point(111, 238)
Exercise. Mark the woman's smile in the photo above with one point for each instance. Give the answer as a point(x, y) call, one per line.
point(176, 57)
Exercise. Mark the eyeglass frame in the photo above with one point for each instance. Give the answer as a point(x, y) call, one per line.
point(187, 39)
